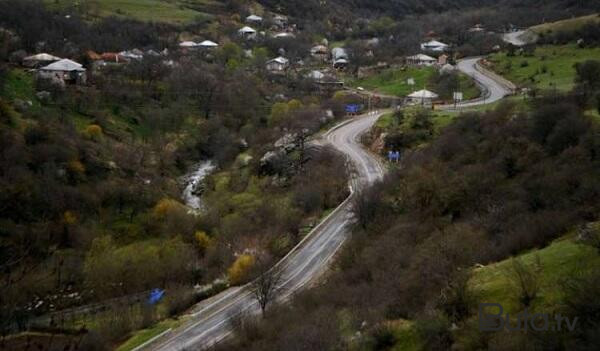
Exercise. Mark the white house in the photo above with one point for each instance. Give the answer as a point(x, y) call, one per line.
point(64, 70)
point(339, 57)
point(207, 44)
point(423, 97)
point(434, 45)
point(253, 19)
point(247, 32)
point(421, 60)
point(278, 64)
point(319, 52)
point(39, 60)
point(188, 45)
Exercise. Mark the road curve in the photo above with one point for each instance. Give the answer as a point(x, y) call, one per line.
point(492, 89)
point(209, 320)
point(515, 38)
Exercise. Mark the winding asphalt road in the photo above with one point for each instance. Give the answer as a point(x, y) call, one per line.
point(493, 89)
point(515, 38)
point(209, 320)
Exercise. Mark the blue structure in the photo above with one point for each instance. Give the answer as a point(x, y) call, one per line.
point(394, 156)
point(352, 108)
point(155, 296)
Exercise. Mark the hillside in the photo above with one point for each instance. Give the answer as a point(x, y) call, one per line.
point(567, 25)
point(175, 12)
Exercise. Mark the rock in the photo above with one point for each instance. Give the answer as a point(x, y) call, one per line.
point(286, 142)
point(198, 188)
point(43, 96)
point(271, 161)
point(22, 105)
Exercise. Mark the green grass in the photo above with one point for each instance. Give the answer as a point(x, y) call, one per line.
point(550, 67)
point(407, 336)
point(174, 11)
point(440, 118)
point(595, 114)
point(19, 85)
point(393, 81)
point(141, 336)
point(559, 260)
point(567, 25)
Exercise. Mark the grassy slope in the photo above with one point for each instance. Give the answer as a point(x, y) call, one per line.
point(141, 336)
point(570, 24)
point(175, 11)
point(560, 259)
point(557, 61)
point(394, 82)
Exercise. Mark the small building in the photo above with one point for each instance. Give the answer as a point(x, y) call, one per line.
point(39, 60)
point(247, 32)
point(421, 60)
point(319, 52)
point(280, 21)
point(64, 70)
point(254, 19)
point(478, 28)
point(113, 57)
point(434, 46)
point(422, 97)
point(442, 59)
point(279, 64)
point(135, 54)
point(284, 35)
point(208, 44)
point(339, 58)
point(188, 44)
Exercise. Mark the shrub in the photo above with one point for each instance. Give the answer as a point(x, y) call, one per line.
point(93, 131)
point(164, 207)
point(240, 269)
point(203, 241)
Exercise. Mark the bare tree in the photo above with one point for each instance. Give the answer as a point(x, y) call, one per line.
point(526, 279)
point(267, 287)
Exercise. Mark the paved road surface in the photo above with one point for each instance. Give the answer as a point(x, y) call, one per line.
point(514, 38)
point(209, 322)
point(492, 89)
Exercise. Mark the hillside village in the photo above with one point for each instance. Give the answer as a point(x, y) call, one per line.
point(329, 67)
point(153, 163)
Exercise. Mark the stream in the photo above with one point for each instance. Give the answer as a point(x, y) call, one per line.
point(192, 193)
